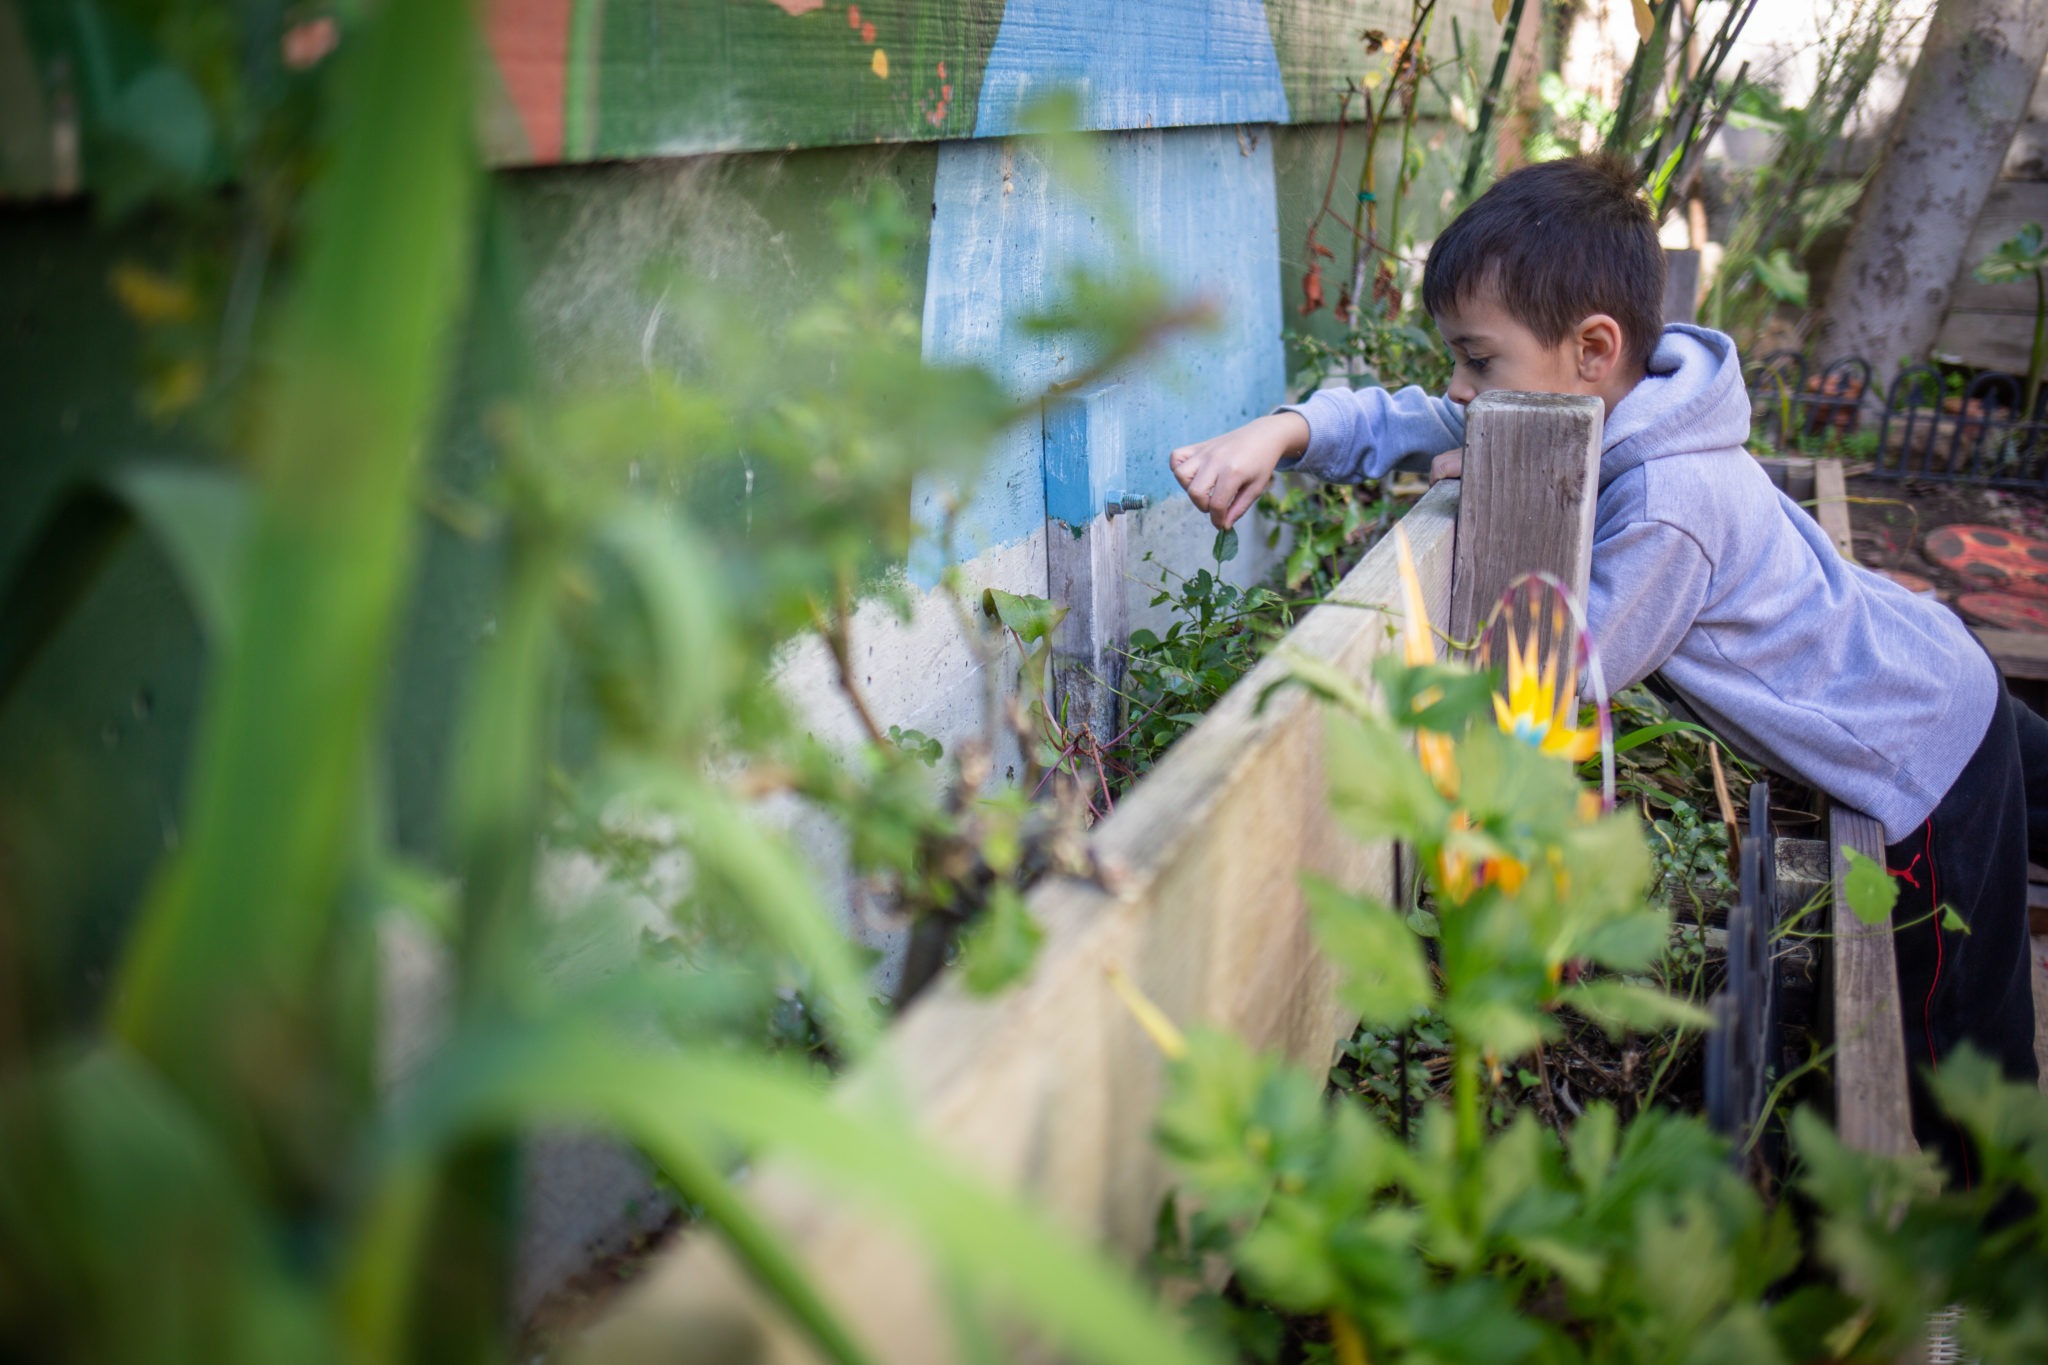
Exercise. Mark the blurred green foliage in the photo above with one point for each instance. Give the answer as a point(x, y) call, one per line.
point(218, 1171)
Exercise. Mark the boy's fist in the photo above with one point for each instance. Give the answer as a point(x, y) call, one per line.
point(1225, 474)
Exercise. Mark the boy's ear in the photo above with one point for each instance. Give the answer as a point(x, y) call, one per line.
point(1599, 346)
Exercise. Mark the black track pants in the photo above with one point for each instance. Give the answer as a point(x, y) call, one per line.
point(1975, 987)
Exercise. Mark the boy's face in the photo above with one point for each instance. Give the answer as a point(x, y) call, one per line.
point(1494, 351)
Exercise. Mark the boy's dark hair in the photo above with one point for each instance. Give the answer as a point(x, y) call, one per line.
point(1558, 242)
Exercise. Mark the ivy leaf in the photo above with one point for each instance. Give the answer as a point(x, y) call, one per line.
point(1868, 888)
point(917, 744)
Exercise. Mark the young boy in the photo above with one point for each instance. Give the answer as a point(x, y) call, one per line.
point(1703, 572)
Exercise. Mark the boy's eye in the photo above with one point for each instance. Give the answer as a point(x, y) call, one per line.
point(1477, 362)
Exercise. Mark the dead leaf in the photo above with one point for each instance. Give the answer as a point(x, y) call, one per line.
point(1312, 287)
point(1500, 11)
point(1373, 39)
point(1646, 19)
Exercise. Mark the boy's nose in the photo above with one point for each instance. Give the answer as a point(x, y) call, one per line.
point(1460, 391)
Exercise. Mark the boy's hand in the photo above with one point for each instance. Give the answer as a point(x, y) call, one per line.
point(1225, 474)
point(1449, 465)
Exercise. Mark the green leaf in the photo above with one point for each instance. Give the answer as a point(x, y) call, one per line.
point(1440, 697)
point(1032, 618)
point(1225, 548)
point(1868, 888)
point(917, 744)
point(1628, 944)
point(1386, 977)
point(1782, 276)
point(198, 518)
point(1618, 1006)
point(1634, 738)
point(1590, 1145)
point(1953, 922)
point(1377, 786)
point(669, 1103)
point(687, 663)
point(360, 364)
point(998, 950)
point(2018, 256)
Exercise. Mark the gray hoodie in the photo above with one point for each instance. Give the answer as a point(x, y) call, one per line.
point(1705, 571)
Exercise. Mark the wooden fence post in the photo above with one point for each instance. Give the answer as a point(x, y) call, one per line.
point(1872, 1110)
point(1681, 285)
point(1532, 474)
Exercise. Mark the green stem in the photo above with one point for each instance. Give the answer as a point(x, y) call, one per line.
point(1639, 71)
point(1465, 1095)
point(1407, 137)
point(1475, 155)
point(2039, 359)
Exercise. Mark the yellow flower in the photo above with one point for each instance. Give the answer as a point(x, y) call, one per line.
point(1438, 755)
point(150, 297)
point(1535, 710)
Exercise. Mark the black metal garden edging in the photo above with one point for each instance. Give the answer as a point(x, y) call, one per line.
point(1933, 424)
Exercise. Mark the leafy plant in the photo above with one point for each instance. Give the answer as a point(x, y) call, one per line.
point(1220, 630)
point(2024, 255)
point(1476, 1242)
point(1788, 202)
point(1360, 1227)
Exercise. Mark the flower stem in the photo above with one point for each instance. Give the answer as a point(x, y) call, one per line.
point(1465, 1095)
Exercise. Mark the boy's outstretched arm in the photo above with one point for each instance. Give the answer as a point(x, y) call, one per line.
point(1343, 435)
point(1225, 474)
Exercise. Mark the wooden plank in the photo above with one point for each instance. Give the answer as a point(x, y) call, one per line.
point(1831, 506)
point(1050, 1089)
point(1532, 474)
point(1872, 1112)
point(2019, 653)
point(1986, 341)
point(2027, 159)
point(583, 80)
point(2011, 205)
point(1790, 474)
point(2039, 951)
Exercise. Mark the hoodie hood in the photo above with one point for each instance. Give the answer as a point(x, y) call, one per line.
point(1691, 401)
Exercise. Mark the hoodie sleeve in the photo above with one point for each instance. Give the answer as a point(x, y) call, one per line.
point(1649, 585)
point(1357, 434)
